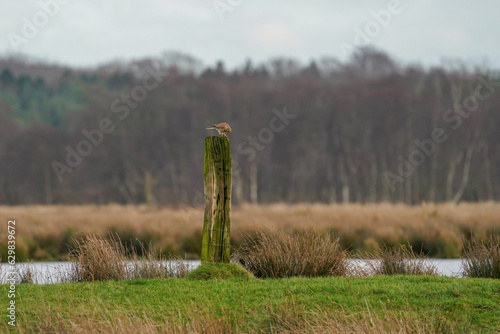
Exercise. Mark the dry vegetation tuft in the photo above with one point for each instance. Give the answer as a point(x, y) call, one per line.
point(401, 260)
point(482, 257)
point(97, 259)
point(303, 253)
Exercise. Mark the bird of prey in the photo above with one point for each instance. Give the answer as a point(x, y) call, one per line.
point(223, 128)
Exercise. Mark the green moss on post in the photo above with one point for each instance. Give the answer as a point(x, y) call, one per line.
point(216, 241)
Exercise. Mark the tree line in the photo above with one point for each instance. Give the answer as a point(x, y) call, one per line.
point(365, 130)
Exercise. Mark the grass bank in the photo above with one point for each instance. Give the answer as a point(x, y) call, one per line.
point(382, 304)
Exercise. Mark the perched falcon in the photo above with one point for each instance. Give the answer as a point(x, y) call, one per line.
point(223, 128)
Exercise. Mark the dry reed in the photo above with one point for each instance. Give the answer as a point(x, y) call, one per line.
point(402, 260)
point(303, 253)
point(97, 259)
point(482, 257)
point(44, 232)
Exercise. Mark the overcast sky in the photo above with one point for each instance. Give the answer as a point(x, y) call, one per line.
point(87, 33)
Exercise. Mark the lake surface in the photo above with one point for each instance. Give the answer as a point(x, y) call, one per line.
point(56, 272)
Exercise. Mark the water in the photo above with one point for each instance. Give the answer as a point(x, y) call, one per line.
point(56, 272)
point(445, 267)
point(53, 272)
point(448, 267)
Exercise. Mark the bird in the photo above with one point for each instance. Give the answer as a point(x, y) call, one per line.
point(223, 128)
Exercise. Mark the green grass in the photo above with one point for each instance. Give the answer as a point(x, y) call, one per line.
point(411, 304)
point(220, 271)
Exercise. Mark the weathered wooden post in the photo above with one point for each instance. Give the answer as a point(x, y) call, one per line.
point(216, 241)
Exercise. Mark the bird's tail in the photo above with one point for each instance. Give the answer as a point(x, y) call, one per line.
point(212, 126)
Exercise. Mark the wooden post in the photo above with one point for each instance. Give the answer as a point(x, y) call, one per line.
point(216, 241)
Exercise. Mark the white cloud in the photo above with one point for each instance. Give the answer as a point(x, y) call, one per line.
point(276, 34)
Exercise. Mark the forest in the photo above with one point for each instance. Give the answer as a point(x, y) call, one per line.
point(366, 130)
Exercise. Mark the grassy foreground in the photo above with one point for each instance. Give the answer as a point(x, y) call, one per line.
point(399, 304)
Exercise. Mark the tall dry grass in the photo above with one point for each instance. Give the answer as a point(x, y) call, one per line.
point(402, 260)
point(482, 257)
point(46, 232)
point(98, 259)
point(303, 253)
